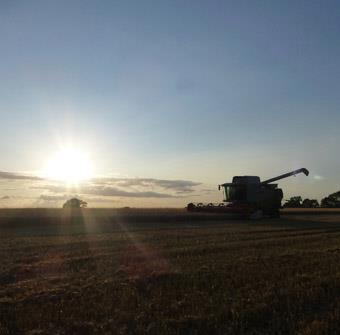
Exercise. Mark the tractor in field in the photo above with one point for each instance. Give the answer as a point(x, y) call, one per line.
point(247, 195)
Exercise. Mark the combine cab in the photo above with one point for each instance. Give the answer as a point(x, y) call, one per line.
point(247, 195)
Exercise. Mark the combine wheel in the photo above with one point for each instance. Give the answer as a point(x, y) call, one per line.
point(275, 213)
point(258, 214)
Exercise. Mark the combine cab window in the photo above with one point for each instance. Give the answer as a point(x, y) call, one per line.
point(235, 193)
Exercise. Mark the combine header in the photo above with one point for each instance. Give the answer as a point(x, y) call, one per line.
point(247, 195)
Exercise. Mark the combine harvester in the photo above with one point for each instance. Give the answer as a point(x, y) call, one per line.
point(249, 197)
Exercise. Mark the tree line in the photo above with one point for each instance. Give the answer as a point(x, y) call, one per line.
point(331, 201)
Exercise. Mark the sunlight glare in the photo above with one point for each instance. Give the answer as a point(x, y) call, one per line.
point(70, 166)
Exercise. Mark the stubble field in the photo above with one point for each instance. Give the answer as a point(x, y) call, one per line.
point(168, 272)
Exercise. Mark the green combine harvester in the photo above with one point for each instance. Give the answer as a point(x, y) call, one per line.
point(247, 195)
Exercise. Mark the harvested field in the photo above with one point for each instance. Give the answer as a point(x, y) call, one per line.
point(168, 272)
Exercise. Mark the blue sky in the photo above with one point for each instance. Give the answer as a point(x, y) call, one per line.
point(177, 90)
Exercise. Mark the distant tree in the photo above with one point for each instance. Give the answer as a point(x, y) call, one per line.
point(310, 203)
point(332, 201)
point(75, 203)
point(293, 202)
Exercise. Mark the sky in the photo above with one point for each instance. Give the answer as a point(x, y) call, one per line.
point(167, 99)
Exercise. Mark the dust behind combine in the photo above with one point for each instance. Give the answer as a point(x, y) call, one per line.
point(168, 271)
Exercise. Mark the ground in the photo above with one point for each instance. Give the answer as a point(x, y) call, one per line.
point(167, 272)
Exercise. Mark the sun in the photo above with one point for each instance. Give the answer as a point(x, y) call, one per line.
point(70, 166)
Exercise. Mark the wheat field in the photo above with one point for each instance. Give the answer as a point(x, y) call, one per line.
point(164, 271)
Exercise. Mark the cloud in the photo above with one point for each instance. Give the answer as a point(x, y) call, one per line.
point(176, 185)
point(107, 191)
point(126, 187)
point(17, 176)
point(104, 187)
point(146, 187)
point(318, 177)
point(46, 197)
point(115, 192)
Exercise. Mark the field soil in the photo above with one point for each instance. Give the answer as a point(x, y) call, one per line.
point(166, 271)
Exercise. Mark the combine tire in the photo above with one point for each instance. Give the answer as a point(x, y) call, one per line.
point(258, 214)
point(275, 213)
